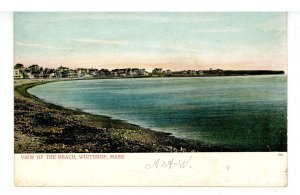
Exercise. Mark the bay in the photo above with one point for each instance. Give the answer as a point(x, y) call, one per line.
point(245, 113)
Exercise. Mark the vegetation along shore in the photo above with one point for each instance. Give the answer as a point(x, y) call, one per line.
point(41, 127)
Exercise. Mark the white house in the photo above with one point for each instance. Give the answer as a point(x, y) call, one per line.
point(18, 74)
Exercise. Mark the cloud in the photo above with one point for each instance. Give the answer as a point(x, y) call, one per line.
point(99, 41)
point(170, 48)
point(40, 46)
point(221, 30)
point(146, 17)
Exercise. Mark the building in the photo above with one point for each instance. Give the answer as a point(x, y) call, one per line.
point(135, 72)
point(71, 73)
point(157, 71)
point(199, 72)
point(62, 69)
point(114, 72)
point(18, 74)
point(191, 72)
point(183, 73)
point(52, 75)
point(81, 72)
point(47, 72)
point(120, 72)
point(94, 72)
point(129, 72)
point(35, 70)
point(58, 74)
point(167, 72)
point(104, 72)
point(143, 72)
point(28, 75)
point(62, 72)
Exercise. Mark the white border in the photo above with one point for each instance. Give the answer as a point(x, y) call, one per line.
point(293, 97)
point(149, 5)
point(6, 112)
point(6, 102)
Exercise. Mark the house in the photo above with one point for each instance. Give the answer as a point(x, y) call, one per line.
point(81, 72)
point(183, 73)
point(47, 72)
point(62, 69)
point(62, 72)
point(27, 74)
point(104, 72)
point(191, 72)
point(157, 71)
point(176, 73)
point(135, 71)
point(58, 74)
point(18, 74)
point(167, 72)
point(93, 72)
point(121, 72)
point(114, 72)
point(199, 72)
point(41, 74)
point(220, 71)
point(18, 71)
point(35, 70)
point(129, 72)
point(52, 75)
point(142, 72)
point(145, 73)
point(71, 73)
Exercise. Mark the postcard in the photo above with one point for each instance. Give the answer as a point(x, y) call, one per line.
point(150, 98)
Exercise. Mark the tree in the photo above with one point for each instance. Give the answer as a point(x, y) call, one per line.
point(18, 65)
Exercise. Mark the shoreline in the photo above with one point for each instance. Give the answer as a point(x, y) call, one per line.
point(41, 127)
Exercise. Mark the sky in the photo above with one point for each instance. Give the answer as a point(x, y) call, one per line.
point(168, 40)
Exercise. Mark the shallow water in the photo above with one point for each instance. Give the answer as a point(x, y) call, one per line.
point(243, 113)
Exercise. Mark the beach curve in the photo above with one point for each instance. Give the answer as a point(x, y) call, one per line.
point(41, 127)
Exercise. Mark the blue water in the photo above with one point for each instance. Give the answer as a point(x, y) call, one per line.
point(243, 113)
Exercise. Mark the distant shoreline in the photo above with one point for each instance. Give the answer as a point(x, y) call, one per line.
point(35, 71)
point(146, 77)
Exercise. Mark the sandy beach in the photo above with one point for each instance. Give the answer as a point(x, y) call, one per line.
point(41, 127)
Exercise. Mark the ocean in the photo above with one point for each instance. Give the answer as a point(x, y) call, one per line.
point(244, 113)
